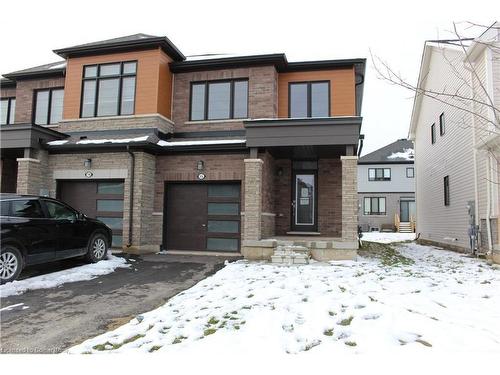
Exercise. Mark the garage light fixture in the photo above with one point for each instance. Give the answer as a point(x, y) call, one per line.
point(87, 163)
point(200, 165)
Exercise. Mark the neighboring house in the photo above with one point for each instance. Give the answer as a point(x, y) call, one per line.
point(209, 153)
point(386, 188)
point(457, 145)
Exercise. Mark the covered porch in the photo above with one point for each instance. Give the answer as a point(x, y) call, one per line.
point(301, 191)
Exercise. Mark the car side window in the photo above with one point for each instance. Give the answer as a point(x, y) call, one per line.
point(29, 208)
point(4, 208)
point(60, 212)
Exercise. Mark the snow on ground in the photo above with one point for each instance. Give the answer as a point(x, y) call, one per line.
point(52, 280)
point(387, 237)
point(429, 300)
point(16, 306)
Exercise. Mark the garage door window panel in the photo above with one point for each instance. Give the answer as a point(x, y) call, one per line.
point(110, 205)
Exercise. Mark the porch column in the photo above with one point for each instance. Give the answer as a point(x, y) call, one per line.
point(349, 199)
point(32, 173)
point(253, 199)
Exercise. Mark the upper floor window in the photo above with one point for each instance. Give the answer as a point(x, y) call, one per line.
point(379, 174)
point(446, 189)
point(374, 206)
point(410, 172)
point(219, 100)
point(48, 106)
point(441, 124)
point(309, 99)
point(109, 89)
point(433, 133)
point(7, 110)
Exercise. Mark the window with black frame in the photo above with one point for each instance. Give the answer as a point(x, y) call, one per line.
point(309, 99)
point(109, 89)
point(7, 110)
point(219, 100)
point(379, 174)
point(48, 106)
point(374, 206)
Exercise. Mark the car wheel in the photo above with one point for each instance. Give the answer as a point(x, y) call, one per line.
point(11, 263)
point(98, 248)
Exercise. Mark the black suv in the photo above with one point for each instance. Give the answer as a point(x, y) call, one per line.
point(37, 230)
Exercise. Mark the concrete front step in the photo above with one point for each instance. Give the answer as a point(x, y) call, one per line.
point(290, 254)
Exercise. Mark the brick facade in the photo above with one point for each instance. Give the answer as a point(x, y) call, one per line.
point(330, 197)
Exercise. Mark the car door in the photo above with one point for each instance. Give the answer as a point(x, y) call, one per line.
point(71, 229)
point(33, 229)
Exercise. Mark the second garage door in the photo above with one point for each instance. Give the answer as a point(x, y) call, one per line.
point(201, 216)
point(102, 200)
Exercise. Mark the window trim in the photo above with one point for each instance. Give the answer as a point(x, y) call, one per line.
point(433, 133)
point(9, 109)
point(446, 190)
point(380, 179)
point(309, 97)
point(206, 83)
point(371, 213)
point(442, 129)
point(98, 77)
point(413, 173)
point(49, 104)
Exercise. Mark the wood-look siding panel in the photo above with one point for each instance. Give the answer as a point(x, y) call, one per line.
point(342, 89)
point(164, 104)
point(147, 84)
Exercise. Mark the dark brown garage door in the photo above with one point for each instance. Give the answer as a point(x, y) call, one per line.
point(202, 216)
point(102, 200)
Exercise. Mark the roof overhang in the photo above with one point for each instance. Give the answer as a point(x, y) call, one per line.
point(27, 136)
point(36, 74)
point(122, 46)
point(328, 131)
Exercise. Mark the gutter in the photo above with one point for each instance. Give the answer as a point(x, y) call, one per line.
point(131, 197)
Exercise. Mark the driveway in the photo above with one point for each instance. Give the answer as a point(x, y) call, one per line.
point(52, 320)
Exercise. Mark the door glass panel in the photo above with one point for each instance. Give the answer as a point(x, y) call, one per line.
point(110, 188)
point(26, 208)
point(111, 205)
point(224, 191)
point(230, 244)
point(223, 226)
point(112, 222)
point(304, 199)
point(223, 209)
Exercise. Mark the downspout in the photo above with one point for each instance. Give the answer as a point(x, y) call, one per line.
point(360, 148)
point(488, 203)
point(131, 197)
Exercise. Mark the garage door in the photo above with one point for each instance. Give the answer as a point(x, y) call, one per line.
point(102, 200)
point(202, 217)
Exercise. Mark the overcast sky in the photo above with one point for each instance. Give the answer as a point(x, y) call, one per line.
point(304, 30)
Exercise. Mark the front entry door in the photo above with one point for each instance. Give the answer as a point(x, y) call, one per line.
point(407, 210)
point(304, 201)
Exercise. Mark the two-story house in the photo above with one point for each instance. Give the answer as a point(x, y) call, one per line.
point(386, 188)
point(455, 127)
point(209, 154)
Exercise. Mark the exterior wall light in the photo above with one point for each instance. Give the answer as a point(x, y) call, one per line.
point(87, 163)
point(279, 172)
point(200, 165)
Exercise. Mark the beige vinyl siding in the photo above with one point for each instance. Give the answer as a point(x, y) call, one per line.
point(451, 155)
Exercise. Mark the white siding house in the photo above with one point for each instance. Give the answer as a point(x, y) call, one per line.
point(457, 162)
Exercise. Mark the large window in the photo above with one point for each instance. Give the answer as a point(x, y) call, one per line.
point(109, 89)
point(48, 106)
point(219, 100)
point(309, 99)
point(7, 110)
point(446, 189)
point(379, 174)
point(441, 124)
point(374, 206)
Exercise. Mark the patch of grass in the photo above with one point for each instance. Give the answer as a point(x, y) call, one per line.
point(485, 282)
point(132, 339)
point(179, 339)
point(105, 346)
point(386, 253)
point(424, 343)
point(332, 313)
point(304, 299)
point(247, 307)
point(342, 289)
point(372, 299)
point(328, 332)
point(209, 331)
point(346, 321)
point(250, 295)
point(311, 345)
point(213, 321)
point(154, 348)
point(350, 343)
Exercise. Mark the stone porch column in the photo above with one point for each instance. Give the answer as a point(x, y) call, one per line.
point(350, 199)
point(253, 199)
point(32, 173)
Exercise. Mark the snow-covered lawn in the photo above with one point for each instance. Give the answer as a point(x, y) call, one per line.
point(387, 237)
point(52, 280)
point(417, 299)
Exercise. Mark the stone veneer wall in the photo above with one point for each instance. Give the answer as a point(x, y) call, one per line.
point(268, 198)
point(350, 199)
